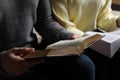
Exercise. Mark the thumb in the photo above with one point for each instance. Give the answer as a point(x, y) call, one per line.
point(23, 51)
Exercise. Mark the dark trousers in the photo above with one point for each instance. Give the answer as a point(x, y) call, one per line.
point(61, 68)
point(114, 67)
point(106, 68)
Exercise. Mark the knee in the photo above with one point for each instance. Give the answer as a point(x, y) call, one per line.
point(85, 63)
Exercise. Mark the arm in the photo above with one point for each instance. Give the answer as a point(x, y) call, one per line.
point(118, 22)
point(1, 69)
point(46, 25)
point(62, 11)
point(106, 20)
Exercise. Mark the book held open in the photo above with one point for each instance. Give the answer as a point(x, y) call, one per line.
point(108, 45)
point(66, 47)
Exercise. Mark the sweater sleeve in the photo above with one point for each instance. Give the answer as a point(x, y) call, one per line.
point(1, 69)
point(106, 20)
point(61, 11)
point(47, 26)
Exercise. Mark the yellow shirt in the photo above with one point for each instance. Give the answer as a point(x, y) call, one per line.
point(79, 16)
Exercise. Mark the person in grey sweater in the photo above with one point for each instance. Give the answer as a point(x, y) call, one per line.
point(17, 19)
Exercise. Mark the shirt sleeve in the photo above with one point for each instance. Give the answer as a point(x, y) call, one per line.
point(1, 69)
point(106, 20)
point(47, 26)
point(61, 11)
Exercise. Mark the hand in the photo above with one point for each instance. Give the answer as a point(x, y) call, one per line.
point(75, 36)
point(12, 61)
point(118, 22)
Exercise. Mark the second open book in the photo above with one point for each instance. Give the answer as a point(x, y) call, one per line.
point(109, 44)
point(66, 47)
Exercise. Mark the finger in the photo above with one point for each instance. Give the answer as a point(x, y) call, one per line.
point(22, 51)
point(27, 51)
point(75, 36)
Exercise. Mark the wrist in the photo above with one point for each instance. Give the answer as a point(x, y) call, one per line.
point(118, 22)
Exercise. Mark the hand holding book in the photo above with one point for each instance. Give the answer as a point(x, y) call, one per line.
point(66, 47)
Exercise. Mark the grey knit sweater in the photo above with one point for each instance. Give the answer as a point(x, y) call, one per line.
point(17, 18)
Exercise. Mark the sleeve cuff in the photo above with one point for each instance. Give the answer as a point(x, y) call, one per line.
point(1, 69)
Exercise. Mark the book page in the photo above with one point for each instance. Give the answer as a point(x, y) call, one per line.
point(116, 32)
point(67, 51)
point(66, 47)
point(108, 36)
point(85, 41)
point(109, 44)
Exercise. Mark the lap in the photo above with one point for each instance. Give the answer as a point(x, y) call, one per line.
point(106, 68)
point(69, 67)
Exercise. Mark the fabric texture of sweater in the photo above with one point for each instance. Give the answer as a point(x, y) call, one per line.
point(79, 16)
point(17, 18)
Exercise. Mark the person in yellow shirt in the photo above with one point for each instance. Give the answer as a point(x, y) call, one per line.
point(80, 16)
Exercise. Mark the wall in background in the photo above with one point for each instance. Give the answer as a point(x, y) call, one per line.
point(116, 2)
point(116, 5)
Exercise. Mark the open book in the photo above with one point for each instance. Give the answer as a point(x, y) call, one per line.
point(108, 45)
point(66, 47)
